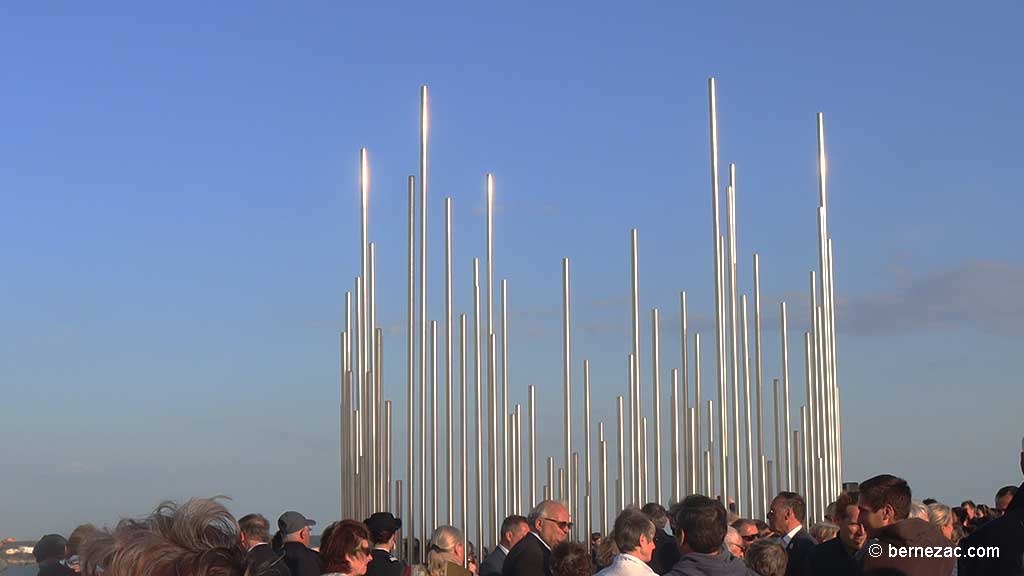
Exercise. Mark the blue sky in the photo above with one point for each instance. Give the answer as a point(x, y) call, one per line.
point(180, 221)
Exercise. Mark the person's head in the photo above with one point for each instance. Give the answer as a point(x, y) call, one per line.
point(383, 526)
point(787, 512)
point(634, 534)
point(969, 508)
point(445, 546)
point(197, 538)
point(918, 509)
point(346, 548)
point(700, 524)
point(255, 530)
point(656, 512)
point(941, 516)
point(294, 527)
point(734, 542)
point(823, 531)
point(571, 559)
point(747, 529)
point(78, 537)
point(767, 558)
point(595, 539)
point(763, 530)
point(884, 500)
point(513, 529)
point(1003, 498)
point(50, 547)
point(851, 531)
point(550, 520)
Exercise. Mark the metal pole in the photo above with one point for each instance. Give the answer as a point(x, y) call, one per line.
point(637, 473)
point(371, 411)
point(748, 448)
point(644, 444)
point(588, 520)
point(566, 373)
point(674, 438)
point(694, 449)
point(507, 466)
point(620, 505)
point(761, 475)
point(532, 403)
point(719, 307)
point(387, 454)
point(410, 361)
point(656, 384)
point(434, 517)
point(603, 479)
point(685, 369)
point(424, 125)
point(450, 436)
point(634, 441)
point(479, 407)
point(711, 448)
point(785, 397)
point(733, 334)
point(778, 436)
point(463, 485)
point(809, 434)
point(492, 473)
point(698, 473)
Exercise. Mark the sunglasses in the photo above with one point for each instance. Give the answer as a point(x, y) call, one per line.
point(563, 526)
point(750, 537)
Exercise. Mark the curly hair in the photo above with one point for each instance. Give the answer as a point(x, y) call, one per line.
point(342, 541)
point(197, 538)
point(571, 559)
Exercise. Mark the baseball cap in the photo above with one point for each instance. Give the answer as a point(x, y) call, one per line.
point(383, 522)
point(291, 521)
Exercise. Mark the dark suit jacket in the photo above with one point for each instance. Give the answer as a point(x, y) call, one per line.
point(529, 557)
point(493, 563)
point(797, 551)
point(301, 561)
point(382, 563)
point(263, 559)
point(666, 552)
point(1007, 532)
point(830, 558)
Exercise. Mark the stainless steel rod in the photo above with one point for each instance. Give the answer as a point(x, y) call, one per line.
point(698, 472)
point(478, 368)
point(532, 403)
point(778, 436)
point(638, 473)
point(567, 372)
point(450, 432)
point(748, 453)
point(760, 457)
point(656, 385)
point(464, 430)
point(587, 493)
point(424, 125)
point(620, 504)
point(674, 456)
point(507, 465)
point(723, 385)
point(435, 518)
point(410, 360)
point(492, 473)
point(719, 307)
point(685, 395)
point(634, 441)
point(788, 476)
point(733, 335)
point(603, 478)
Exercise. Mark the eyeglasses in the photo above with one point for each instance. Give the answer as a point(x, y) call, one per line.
point(750, 537)
point(563, 526)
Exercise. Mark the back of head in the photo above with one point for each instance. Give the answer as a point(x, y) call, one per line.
point(571, 559)
point(78, 538)
point(824, 531)
point(918, 509)
point(255, 528)
point(442, 549)
point(629, 526)
point(701, 521)
point(939, 514)
point(50, 547)
point(656, 512)
point(197, 538)
point(767, 558)
point(338, 542)
point(887, 490)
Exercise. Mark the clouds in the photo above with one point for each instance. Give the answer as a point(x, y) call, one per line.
point(978, 295)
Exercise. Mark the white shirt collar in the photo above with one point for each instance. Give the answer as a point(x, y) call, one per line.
point(624, 557)
point(789, 536)
point(503, 549)
point(537, 536)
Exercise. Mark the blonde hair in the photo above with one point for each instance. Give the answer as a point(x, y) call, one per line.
point(939, 515)
point(824, 531)
point(442, 550)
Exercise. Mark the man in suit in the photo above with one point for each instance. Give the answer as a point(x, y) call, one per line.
point(383, 527)
point(300, 559)
point(549, 526)
point(666, 548)
point(513, 529)
point(786, 518)
point(260, 555)
point(838, 556)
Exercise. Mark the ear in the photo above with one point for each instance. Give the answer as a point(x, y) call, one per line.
point(681, 536)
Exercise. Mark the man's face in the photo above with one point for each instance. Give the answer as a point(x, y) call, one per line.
point(874, 520)
point(778, 517)
point(646, 548)
point(748, 532)
point(735, 544)
point(970, 511)
point(517, 533)
point(1002, 503)
point(554, 528)
point(851, 531)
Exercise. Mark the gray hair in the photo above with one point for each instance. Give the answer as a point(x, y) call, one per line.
point(629, 526)
point(918, 509)
point(823, 531)
point(542, 510)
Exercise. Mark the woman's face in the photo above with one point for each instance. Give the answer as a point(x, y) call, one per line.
point(947, 530)
point(360, 558)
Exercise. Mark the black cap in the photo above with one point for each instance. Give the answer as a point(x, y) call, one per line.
point(383, 522)
point(50, 547)
point(291, 521)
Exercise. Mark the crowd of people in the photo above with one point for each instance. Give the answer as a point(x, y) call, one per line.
point(872, 530)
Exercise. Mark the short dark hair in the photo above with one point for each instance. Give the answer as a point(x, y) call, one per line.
point(967, 503)
point(340, 544)
point(702, 522)
point(766, 557)
point(887, 490)
point(656, 512)
point(571, 559)
point(509, 524)
point(928, 501)
point(629, 526)
point(794, 502)
point(255, 527)
point(1011, 490)
point(741, 522)
point(844, 501)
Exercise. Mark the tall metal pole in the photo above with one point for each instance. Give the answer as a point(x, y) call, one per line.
point(785, 398)
point(424, 126)
point(698, 473)
point(587, 496)
point(507, 467)
point(734, 333)
point(464, 474)
point(719, 307)
point(603, 491)
point(674, 439)
point(434, 489)
point(620, 504)
point(778, 437)
point(450, 436)
point(656, 384)
point(410, 361)
point(810, 436)
point(489, 263)
point(634, 441)
point(532, 403)
point(685, 369)
point(371, 421)
point(748, 451)
point(638, 472)
point(760, 457)
point(479, 407)
point(492, 431)
point(567, 373)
